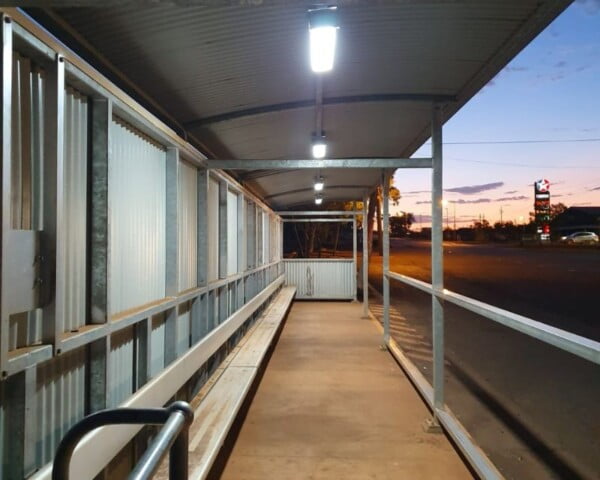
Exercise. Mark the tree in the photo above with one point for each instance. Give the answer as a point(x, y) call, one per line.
point(555, 210)
point(400, 224)
point(375, 205)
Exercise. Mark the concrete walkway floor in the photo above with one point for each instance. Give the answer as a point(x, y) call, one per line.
point(332, 405)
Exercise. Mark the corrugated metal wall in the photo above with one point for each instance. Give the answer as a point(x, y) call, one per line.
point(157, 344)
point(26, 180)
point(75, 204)
point(324, 279)
point(49, 389)
point(137, 185)
point(60, 400)
point(184, 318)
point(120, 366)
point(232, 233)
point(188, 221)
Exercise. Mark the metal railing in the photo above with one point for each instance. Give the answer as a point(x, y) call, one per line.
point(575, 344)
point(173, 437)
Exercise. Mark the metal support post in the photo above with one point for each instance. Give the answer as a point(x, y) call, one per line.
point(53, 246)
point(172, 227)
point(222, 229)
point(354, 256)
point(259, 236)
point(172, 254)
point(385, 179)
point(100, 233)
point(6, 86)
point(365, 259)
point(199, 311)
point(202, 233)
point(437, 265)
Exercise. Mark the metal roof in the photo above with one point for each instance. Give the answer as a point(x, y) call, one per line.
point(238, 78)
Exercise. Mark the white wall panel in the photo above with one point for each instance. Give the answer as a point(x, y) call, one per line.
point(75, 205)
point(188, 221)
point(232, 233)
point(213, 229)
point(137, 203)
point(320, 279)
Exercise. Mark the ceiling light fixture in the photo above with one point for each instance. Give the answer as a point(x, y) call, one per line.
point(323, 32)
point(318, 199)
point(319, 184)
point(319, 147)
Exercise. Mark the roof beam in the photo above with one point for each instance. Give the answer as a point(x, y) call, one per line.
point(279, 107)
point(311, 189)
point(248, 164)
point(311, 213)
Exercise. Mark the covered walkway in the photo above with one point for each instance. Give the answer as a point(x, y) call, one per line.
point(332, 404)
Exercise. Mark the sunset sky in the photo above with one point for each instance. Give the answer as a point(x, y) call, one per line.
point(547, 102)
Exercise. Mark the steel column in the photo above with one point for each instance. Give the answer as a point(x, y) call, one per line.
point(199, 311)
point(437, 258)
point(7, 67)
point(222, 229)
point(172, 227)
point(385, 237)
point(54, 231)
point(172, 254)
point(365, 259)
point(354, 257)
point(100, 228)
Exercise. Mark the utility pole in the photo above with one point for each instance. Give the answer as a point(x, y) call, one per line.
point(454, 215)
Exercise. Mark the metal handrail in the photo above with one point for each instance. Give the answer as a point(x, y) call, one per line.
point(173, 437)
point(569, 342)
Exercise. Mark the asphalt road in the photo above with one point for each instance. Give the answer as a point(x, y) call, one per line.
point(531, 407)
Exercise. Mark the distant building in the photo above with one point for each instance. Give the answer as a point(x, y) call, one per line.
point(576, 219)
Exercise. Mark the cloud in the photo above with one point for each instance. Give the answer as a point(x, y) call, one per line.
point(509, 199)
point(581, 204)
point(561, 64)
point(462, 201)
point(581, 68)
point(418, 191)
point(516, 68)
point(472, 189)
point(593, 189)
point(424, 202)
point(511, 192)
point(591, 7)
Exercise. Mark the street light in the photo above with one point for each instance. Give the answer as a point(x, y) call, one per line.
point(445, 204)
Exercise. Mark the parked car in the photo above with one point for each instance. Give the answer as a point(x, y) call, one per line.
point(582, 238)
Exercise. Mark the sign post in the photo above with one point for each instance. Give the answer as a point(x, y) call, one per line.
point(541, 207)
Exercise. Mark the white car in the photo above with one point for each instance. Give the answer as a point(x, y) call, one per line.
point(583, 238)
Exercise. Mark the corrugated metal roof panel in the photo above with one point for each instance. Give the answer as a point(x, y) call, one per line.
point(201, 62)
